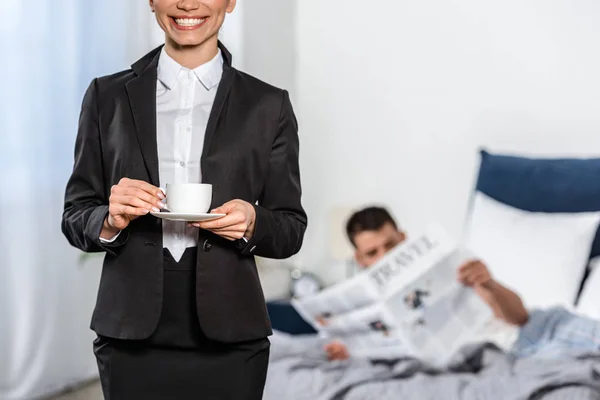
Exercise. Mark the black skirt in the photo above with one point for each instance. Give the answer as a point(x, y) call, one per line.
point(178, 362)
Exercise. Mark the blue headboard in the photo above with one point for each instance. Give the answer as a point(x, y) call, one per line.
point(555, 185)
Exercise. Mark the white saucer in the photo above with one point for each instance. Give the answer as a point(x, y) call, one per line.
point(189, 217)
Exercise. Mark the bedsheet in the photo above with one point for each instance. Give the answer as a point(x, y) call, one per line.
point(298, 370)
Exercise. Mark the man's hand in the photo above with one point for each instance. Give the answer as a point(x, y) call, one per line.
point(336, 350)
point(474, 274)
point(238, 222)
point(128, 200)
point(505, 303)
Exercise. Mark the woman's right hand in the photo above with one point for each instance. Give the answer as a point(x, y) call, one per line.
point(129, 199)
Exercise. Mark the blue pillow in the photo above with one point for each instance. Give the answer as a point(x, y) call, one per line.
point(285, 318)
point(565, 185)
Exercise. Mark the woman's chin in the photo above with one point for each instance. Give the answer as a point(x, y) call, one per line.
point(187, 40)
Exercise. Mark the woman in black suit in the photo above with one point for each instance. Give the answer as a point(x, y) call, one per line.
point(180, 312)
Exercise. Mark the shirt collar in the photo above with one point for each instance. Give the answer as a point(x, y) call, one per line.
point(209, 73)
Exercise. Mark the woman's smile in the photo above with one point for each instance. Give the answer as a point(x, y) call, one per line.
point(187, 23)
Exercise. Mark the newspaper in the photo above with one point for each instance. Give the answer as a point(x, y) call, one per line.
point(409, 303)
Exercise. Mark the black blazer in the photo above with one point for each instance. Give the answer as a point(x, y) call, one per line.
point(250, 153)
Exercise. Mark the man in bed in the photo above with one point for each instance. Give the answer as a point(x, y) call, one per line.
point(373, 232)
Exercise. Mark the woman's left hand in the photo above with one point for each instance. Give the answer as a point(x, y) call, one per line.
point(236, 224)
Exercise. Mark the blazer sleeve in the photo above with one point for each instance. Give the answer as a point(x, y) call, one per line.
point(86, 202)
point(280, 219)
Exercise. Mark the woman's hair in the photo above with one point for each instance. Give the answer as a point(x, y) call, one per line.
point(368, 219)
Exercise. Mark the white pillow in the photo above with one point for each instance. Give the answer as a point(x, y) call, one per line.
point(589, 302)
point(541, 256)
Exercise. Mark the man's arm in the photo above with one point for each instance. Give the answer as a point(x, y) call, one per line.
point(505, 303)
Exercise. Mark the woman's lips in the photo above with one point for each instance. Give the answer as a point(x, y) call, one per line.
point(188, 23)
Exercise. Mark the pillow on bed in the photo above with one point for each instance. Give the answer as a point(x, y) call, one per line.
point(589, 301)
point(565, 185)
point(285, 318)
point(542, 256)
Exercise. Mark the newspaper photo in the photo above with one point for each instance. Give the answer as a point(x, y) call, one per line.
point(410, 302)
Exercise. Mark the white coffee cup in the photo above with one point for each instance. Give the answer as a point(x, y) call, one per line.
point(192, 198)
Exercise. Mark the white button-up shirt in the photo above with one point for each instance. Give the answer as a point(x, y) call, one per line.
point(184, 100)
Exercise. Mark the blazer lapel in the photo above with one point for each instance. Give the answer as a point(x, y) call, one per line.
point(141, 91)
point(142, 99)
point(218, 105)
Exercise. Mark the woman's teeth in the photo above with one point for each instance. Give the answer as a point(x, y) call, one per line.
point(189, 21)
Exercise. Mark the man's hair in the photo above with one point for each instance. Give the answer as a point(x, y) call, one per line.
point(368, 219)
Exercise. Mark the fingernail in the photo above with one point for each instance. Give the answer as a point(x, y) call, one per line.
point(161, 204)
point(146, 211)
point(161, 195)
point(155, 209)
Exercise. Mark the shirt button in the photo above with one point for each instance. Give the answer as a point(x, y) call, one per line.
point(182, 164)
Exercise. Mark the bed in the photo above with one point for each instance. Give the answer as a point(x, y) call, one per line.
point(545, 215)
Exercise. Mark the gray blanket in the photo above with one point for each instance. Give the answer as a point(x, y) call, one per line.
point(298, 370)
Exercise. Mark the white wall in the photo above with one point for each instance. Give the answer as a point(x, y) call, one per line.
point(394, 98)
point(269, 30)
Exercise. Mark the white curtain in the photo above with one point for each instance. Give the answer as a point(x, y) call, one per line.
point(50, 51)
